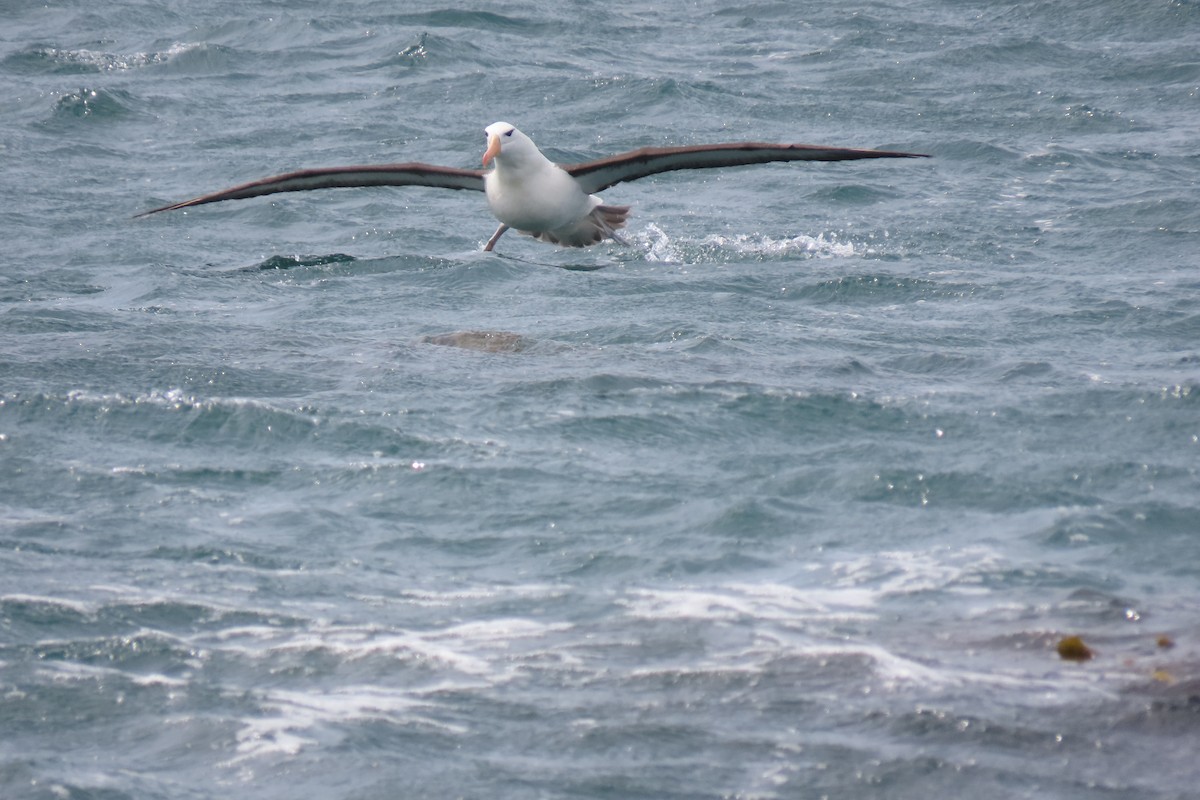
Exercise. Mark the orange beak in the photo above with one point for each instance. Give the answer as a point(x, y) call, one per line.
point(493, 149)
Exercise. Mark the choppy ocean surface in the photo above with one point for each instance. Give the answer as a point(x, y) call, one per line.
point(792, 497)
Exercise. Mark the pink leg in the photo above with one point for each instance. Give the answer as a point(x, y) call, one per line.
point(495, 238)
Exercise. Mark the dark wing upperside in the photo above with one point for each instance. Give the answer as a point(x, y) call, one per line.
point(410, 174)
point(595, 176)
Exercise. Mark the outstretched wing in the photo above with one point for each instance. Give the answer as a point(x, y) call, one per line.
point(410, 174)
point(595, 176)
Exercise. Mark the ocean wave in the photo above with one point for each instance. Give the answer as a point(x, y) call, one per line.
point(63, 60)
point(96, 104)
point(412, 661)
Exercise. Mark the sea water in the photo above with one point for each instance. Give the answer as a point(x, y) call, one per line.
point(795, 494)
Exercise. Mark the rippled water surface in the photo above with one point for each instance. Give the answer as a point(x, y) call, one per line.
point(795, 495)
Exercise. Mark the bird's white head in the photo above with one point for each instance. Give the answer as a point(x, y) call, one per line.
point(506, 144)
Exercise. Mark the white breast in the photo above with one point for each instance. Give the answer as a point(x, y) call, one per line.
point(539, 199)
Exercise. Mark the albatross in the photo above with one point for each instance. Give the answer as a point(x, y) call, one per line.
point(530, 193)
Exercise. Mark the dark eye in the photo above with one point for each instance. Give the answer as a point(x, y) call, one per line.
point(509, 132)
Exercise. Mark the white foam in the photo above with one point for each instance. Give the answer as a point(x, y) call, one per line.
point(116, 62)
point(477, 649)
point(79, 607)
point(296, 714)
point(817, 246)
point(456, 597)
point(660, 247)
point(763, 602)
point(156, 679)
point(469, 656)
point(899, 572)
point(64, 672)
point(355, 645)
point(177, 400)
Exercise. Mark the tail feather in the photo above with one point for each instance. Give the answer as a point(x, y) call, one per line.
point(602, 223)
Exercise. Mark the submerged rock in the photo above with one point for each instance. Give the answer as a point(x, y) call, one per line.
point(1072, 648)
point(484, 341)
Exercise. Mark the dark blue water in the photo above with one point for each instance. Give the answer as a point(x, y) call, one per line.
point(793, 496)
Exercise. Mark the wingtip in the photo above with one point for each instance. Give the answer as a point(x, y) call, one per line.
point(142, 214)
point(172, 207)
